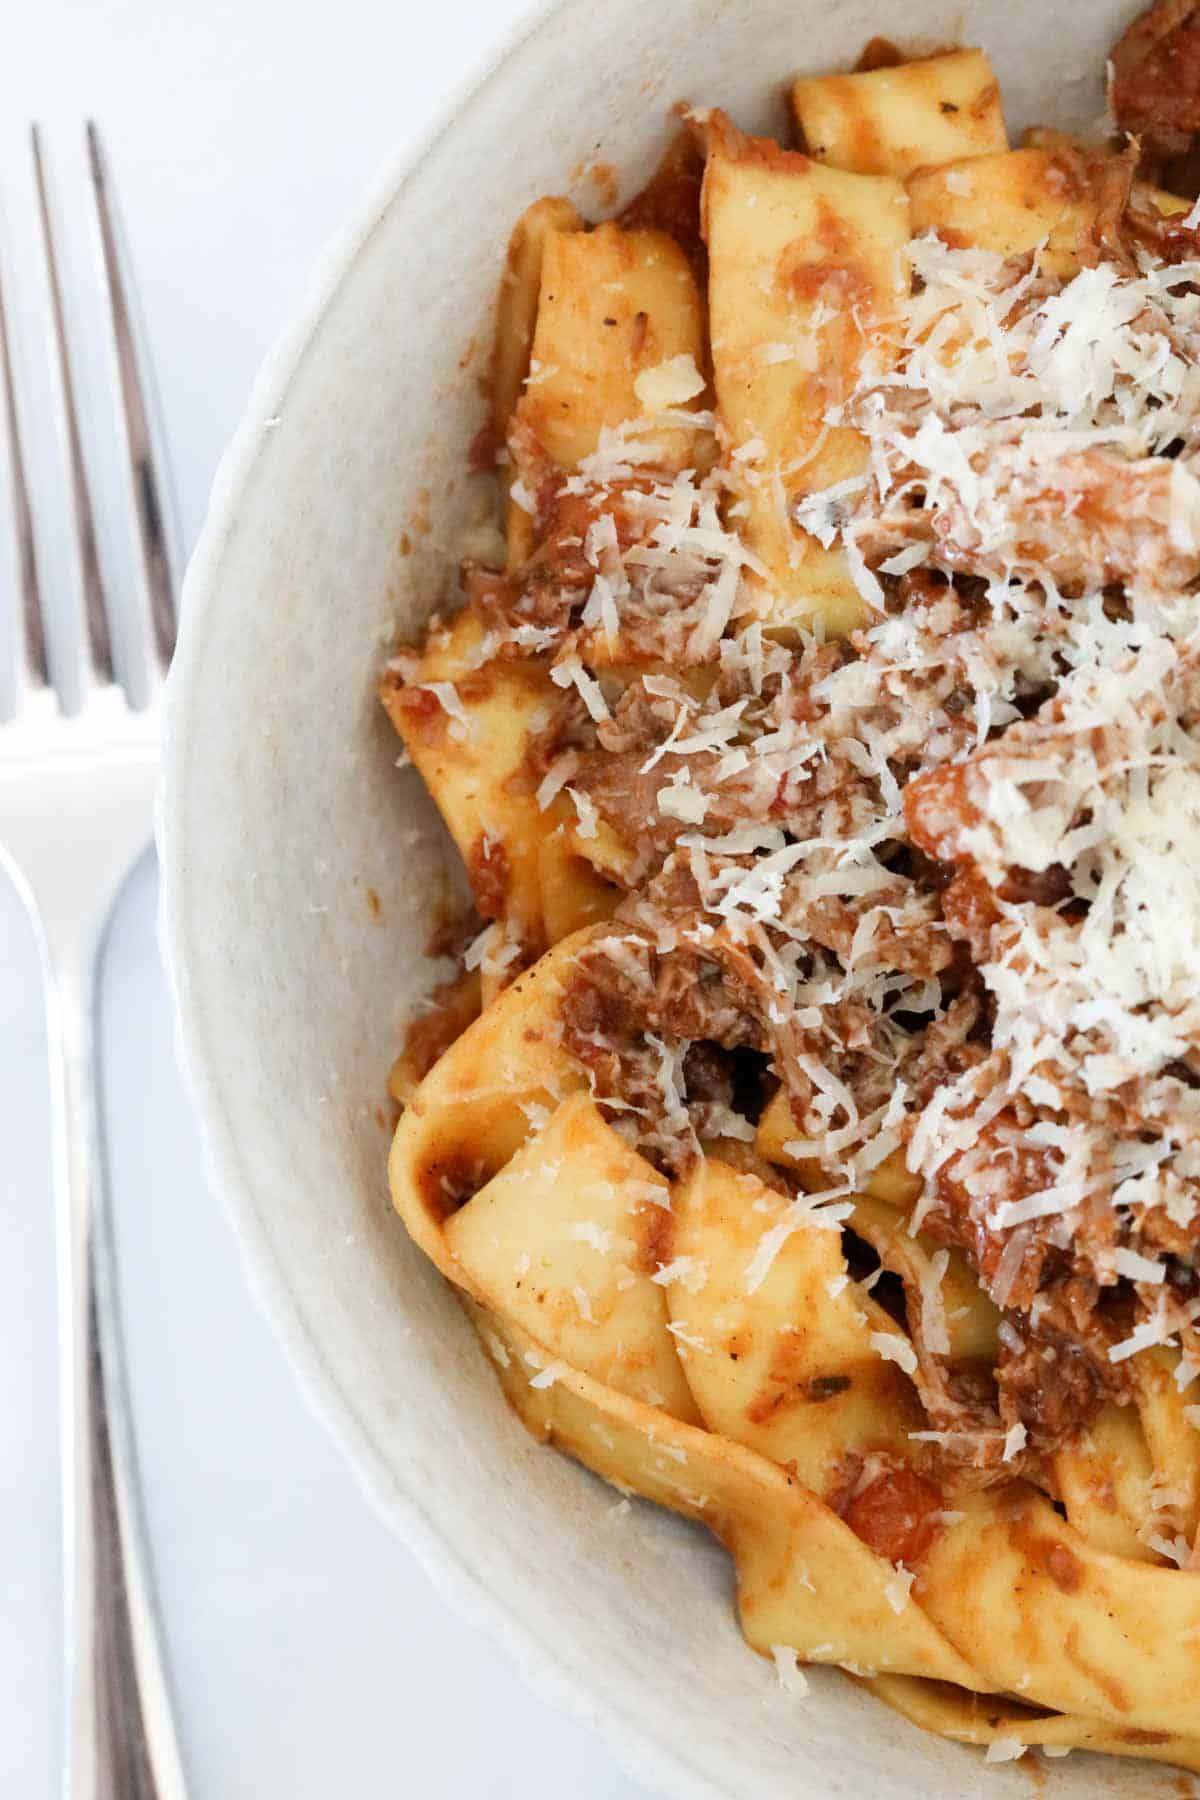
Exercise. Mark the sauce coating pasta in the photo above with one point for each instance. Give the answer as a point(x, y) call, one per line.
point(811, 1125)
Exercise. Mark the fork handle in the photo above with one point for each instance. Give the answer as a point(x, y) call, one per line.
point(119, 1737)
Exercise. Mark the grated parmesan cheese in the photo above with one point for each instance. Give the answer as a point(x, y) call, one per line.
point(682, 801)
point(667, 384)
point(556, 778)
point(496, 1347)
point(1014, 1442)
point(1175, 1549)
point(571, 672)
point(682, 1336)
point(552, 1372)
point(806, 1210)
point(689, 1272)
point(933, 1309)
point(491, 951)
point(1005, 1749)
point(894, 1348)
point(585, 1231)
point(1137, 1267)
point(898, 1589)
point(585, 808)
point(447, 697)
point(791, 1676)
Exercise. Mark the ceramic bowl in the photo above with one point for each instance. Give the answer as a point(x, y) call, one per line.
point(303, 871)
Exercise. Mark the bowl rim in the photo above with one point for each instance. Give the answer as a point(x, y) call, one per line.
point(458, 1578)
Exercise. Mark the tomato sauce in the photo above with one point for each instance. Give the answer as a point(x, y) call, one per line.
point(894, 1515)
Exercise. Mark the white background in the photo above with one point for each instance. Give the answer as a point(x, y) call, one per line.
point(309, 1654)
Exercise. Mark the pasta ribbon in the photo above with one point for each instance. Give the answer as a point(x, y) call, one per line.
point(466, 725)
point(892, 121)
point(807, 261)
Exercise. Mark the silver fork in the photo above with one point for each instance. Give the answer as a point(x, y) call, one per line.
point(76, 810)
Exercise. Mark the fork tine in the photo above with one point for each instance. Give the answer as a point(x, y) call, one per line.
point(33, 631)
point(147, 494)
point(95, 615)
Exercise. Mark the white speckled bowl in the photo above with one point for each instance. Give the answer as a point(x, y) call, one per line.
point(283, 809)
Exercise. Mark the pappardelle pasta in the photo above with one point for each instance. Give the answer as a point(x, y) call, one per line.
point(811, 1126)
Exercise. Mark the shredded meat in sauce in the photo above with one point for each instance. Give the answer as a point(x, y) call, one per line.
point(1156, 90)
point(888, 1000)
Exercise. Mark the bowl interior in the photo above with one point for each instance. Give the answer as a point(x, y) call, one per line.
point(303, 872)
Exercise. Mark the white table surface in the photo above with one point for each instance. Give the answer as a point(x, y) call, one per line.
point(310, 1656)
